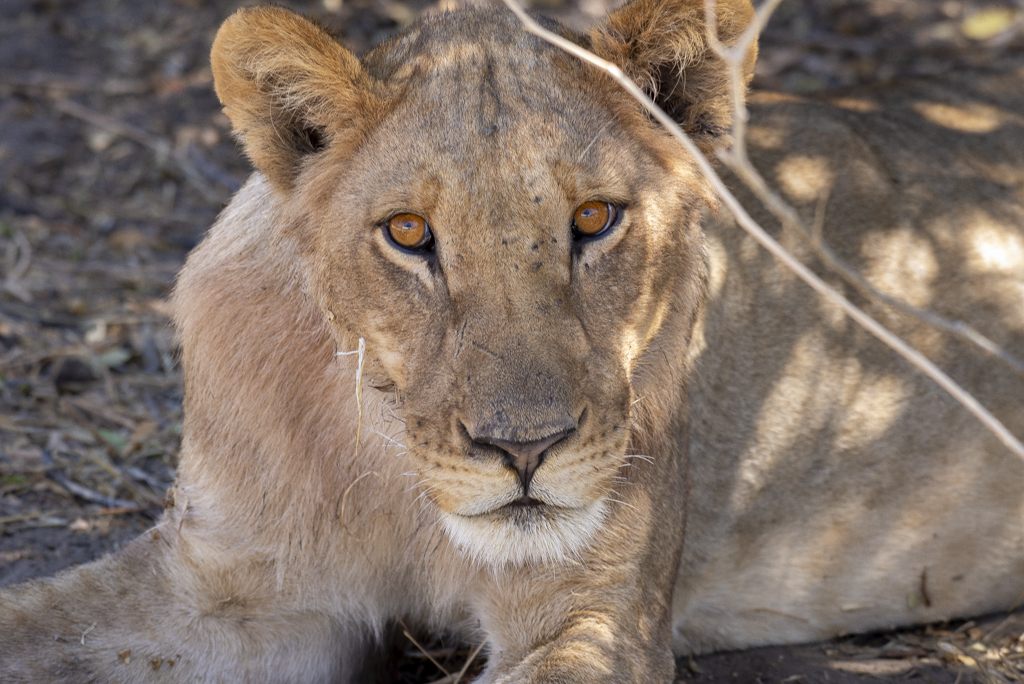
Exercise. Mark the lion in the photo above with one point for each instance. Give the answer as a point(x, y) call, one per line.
point(472, 350)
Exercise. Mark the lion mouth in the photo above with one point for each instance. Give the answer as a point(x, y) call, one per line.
point(521, 509)
point(525, 530)
point(525, 510)
point(524, 502)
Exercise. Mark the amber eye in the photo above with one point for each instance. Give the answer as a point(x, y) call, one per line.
point(410, 231)
point(594, 218)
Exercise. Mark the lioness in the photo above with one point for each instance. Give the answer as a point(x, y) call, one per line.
point(468, 350)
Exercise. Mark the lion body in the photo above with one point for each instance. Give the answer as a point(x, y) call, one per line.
point(793, 480)
point(840, 490)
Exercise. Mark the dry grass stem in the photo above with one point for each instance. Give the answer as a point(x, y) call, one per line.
point(743, 218)
point(425, 652)
point(360, 351)
point(469, 661)
point(86, 632)
point(457, 677)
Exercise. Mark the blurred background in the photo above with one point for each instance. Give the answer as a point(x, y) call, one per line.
point(115, 158)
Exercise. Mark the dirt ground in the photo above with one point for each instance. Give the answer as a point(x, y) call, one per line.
point(114, 158)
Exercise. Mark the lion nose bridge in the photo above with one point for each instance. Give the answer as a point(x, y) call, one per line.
point(513, 400)
point(519, 401)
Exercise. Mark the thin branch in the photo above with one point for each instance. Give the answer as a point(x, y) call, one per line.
point(733, 57)
point(739, 162)
point(161, 148)
point(851, 276)
point(47, 81)
point(91, 495)
point(759, 234)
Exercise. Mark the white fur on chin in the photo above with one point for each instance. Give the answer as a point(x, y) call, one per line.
point(557, 536)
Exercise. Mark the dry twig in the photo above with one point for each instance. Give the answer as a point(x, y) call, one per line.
point(162, 149)
point(866, 289)
point(91, 495)
point(47, 81)
point(19, 254)
point(738, 161)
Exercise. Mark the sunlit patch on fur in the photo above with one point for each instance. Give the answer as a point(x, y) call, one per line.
point(554, 536)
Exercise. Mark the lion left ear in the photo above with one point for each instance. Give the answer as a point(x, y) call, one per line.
point(288, 87)
point(662, 45)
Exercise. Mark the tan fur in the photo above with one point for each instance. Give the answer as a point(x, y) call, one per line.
point(820, 486)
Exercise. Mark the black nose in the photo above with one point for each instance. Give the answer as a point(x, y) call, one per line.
point(526, 457)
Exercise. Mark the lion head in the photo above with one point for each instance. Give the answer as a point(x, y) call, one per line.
point(516, 242)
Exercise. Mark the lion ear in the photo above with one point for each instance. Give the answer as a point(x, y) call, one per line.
point(287, 86)
point(662, 45)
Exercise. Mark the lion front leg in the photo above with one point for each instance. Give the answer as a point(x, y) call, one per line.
point(97, 622)
point(591, 648)
point(604, 618)
point(151, 613)
point(610, 631)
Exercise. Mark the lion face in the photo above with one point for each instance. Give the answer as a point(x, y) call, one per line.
point(518, 246)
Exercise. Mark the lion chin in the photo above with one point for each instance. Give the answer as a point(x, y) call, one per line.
point(524, 535)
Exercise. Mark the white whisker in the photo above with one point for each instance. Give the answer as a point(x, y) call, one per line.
point(390, 440)
point(621, 502)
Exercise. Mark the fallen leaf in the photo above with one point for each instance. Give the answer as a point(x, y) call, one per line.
point(988, 23)
point(116, 440)
point(114, 358)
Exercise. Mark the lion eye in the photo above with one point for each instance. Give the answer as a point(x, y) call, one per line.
point(594, 218)
point(410, 231)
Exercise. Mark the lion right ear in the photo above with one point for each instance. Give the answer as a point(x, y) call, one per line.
point(288, 88)
point(662, 45)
